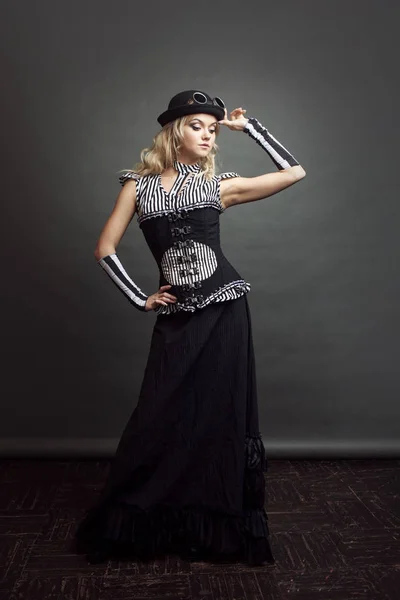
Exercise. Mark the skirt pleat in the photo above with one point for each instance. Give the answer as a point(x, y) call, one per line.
point(189, 467)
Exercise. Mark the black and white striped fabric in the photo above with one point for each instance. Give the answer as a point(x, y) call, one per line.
point(190, 191)
point(194, 192)
point(114, 269)
point(281, 157)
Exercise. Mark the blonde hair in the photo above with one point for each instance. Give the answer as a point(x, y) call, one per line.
point(165, 149)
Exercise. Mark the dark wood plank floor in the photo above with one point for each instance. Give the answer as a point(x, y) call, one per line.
point(335, 529)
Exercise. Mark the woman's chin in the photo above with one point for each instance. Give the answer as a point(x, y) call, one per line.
point(198, 154)
point(203, 152)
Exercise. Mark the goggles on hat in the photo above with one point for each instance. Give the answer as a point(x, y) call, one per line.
point(201, 98)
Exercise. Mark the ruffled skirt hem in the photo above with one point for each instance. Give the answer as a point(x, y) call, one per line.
point(150, 533)
point(130, 530)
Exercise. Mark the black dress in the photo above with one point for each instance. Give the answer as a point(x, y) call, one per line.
point(189, 468)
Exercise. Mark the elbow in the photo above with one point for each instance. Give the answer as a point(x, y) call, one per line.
point(298, 172)
point(295, 173)
point(101, 252)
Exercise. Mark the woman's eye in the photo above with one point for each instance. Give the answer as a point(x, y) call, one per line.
point(198, 129)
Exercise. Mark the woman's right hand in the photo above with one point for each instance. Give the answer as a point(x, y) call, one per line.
point(160, 297)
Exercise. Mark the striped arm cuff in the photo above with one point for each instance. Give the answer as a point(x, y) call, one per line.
point(281, 157)
point(114, 269)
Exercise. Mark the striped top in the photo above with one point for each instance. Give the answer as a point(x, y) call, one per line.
point(187, 252)
point(153, 201)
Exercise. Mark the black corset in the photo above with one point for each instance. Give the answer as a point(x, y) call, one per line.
point(186, 246)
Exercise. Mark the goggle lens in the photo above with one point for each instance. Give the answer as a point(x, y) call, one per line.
point(200, 98)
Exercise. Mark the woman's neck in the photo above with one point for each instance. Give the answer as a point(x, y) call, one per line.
point(186, 160)
point(172, 171)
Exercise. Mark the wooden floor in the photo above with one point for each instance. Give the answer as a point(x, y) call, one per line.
point(335, 534)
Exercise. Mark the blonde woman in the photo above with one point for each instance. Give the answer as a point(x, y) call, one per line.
point(187, 476)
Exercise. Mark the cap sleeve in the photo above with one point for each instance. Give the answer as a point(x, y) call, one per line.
point(227, 175)
point(128, 175)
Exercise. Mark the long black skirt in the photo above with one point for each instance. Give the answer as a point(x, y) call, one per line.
point(189, 468)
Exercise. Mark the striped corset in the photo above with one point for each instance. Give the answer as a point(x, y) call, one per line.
point(186, 246)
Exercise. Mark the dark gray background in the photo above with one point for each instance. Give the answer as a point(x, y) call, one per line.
point(83, 83)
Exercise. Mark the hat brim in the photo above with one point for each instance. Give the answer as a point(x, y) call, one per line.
point(190, 109)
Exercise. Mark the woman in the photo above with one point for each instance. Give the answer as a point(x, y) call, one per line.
point(188, 473)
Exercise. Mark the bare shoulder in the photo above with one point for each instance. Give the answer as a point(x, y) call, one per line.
point(125, 204)
point(119, 219)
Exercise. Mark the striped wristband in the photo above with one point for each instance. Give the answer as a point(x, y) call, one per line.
point(114, 269)
point(281, 157)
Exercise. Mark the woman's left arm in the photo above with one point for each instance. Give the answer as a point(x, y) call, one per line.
point(249, 189)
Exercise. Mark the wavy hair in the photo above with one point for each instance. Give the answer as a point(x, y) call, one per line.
point(165, 149)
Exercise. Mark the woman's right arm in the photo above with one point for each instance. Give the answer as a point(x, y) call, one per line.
point(111, 235)
point(118, 221)
point(105, 252)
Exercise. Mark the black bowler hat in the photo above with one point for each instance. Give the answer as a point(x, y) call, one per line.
point(191, 102)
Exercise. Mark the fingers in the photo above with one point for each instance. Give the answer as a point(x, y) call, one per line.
point(168, 297)
point(161, 302)
point(165, 294)
point(237, 113)
point(234, 114)
point(162, 296)
point(164, 302)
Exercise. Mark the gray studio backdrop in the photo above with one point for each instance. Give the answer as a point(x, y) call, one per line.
point(83, 83)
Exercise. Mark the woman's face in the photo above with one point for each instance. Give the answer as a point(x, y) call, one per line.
point(198, 136)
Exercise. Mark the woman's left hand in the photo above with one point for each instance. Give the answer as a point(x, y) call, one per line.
point(238, 120)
